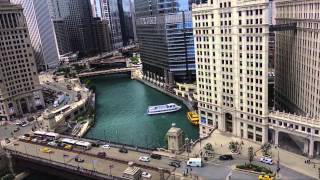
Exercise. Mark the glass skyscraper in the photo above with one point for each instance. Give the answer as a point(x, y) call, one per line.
point(41, 31)
point(78, 19)
point(164, 30)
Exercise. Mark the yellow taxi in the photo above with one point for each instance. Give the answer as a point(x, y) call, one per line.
point(46, 150)
point(265, 177)
point(68, 147)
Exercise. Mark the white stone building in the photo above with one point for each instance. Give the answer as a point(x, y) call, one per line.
point(231, 47)
point(20, 91)
point(297, 82)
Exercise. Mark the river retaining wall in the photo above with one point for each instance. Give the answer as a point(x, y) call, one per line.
point(184, 101)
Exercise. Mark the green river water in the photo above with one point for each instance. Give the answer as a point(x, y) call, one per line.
point(121, 105)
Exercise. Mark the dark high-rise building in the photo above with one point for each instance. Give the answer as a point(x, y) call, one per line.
point(41, 32)
point(110, 12)
point(78, 19)
point(126, 21)
point(102, 34)
point(164, 30)
point(62, 38)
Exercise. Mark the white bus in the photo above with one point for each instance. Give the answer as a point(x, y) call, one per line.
point(47, 135)
point(80, 144)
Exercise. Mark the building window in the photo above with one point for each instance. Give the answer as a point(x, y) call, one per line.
point(259, 129)
point(250, 135)
point(258, 138)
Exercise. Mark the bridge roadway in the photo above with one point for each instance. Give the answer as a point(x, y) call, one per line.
point(104, 72)
point(119, 161)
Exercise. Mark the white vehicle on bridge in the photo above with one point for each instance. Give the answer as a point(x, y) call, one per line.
point(80, 144)
point(146, 175)
point(144, 159)
point(47, 135)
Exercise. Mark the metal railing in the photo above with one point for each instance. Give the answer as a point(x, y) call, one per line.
point(63, 166)
point(83, 152)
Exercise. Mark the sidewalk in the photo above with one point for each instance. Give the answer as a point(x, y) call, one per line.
point(220, 142)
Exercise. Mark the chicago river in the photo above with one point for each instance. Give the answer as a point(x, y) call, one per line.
point(121, 106)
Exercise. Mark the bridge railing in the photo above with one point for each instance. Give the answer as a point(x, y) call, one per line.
point(84, 152)
point(64, 166)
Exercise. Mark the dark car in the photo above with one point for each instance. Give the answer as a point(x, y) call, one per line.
point(16, 129)
point(94, 144)
point(79, 159)
point(123, 150)
point(101, 154)
point(155, 156)
point(175, 164)
point(225, 157)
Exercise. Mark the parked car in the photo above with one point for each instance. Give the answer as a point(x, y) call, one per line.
point(146, 175)
point(101, 154)
point(123, 150)
point(175, 164)
point(266, 160)
point(144, 159)
point(7, 140)
point(225, 157)
point(155, 156)
point(195, 162)
point(79, 159)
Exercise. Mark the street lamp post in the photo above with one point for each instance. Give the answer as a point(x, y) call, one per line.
point(110, 167)
point(187, 145)
point(278, 164)
point(25, 148)
point(93, 166)
point(64, 158)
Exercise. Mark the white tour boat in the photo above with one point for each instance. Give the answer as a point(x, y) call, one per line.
point(166, 108)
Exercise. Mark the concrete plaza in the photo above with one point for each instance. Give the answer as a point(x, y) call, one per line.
point(292, 165)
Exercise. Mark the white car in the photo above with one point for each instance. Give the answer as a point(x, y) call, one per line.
point(106, 146)
point(146, 175)
point(266, 160)
point(52, 143)
point(144, 159)
point(24, 124)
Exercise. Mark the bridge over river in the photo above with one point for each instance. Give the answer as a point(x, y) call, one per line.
point(106, 72)
point(28, 155)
